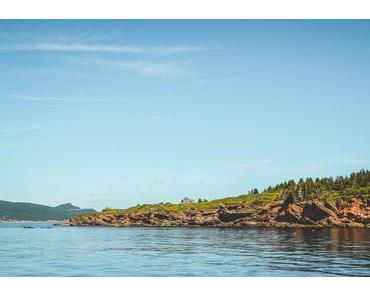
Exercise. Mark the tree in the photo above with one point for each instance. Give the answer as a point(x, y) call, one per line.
point(253, 191)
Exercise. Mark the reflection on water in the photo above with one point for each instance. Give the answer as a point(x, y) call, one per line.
point(182, 251)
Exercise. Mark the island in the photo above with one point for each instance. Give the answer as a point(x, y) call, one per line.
point(319, 202)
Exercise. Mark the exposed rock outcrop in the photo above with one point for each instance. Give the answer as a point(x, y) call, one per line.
point(285, 213)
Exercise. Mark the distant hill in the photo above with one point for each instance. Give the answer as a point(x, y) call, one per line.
point(37, 212)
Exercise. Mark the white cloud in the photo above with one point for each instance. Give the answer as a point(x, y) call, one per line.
point(40, 98)
point(61, 99)
point(145, 68)
point(141, 67)
point(237, 77)
point(150, 68)
point(102, 48)
point(222, 79)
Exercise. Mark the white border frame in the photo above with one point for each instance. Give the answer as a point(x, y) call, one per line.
point(189, 9)
point(184, 287)
point(185, 9)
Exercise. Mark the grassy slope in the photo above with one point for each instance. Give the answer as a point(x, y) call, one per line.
point(213, 204)
point(322, 189)
point(243, 200)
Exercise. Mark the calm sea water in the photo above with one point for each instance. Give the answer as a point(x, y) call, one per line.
point(85, 251)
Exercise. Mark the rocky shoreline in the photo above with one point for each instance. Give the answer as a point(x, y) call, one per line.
point(354, 212)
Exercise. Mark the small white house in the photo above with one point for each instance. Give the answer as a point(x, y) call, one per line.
point(186, 200)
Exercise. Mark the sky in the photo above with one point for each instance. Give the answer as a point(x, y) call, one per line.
point(117, 113)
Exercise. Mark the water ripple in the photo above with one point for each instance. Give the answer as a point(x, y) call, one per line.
point(61, 251)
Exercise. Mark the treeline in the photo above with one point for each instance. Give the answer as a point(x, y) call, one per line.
point(357, 183)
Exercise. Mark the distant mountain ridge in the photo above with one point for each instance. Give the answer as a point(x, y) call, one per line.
point(23, 211)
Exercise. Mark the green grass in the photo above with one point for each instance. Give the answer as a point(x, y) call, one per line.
point(357, 185)
point(243, 200)
point(349, 193)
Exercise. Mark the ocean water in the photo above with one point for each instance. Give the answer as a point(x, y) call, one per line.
point(46, 250)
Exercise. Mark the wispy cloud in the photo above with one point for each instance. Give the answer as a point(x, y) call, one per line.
point(20, 129)
point(57, 99)
point(102, 48)
point(144, 68)
point(149, 68)
point(255, 164)
point(64, 99)
point(237, 77)
point(222, 79)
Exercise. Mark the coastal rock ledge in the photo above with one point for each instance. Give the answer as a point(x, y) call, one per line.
point(282, 213)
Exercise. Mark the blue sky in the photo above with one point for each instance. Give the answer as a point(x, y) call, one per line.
point(115, 113)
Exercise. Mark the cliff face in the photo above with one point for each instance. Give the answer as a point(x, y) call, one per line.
point(283, 213)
